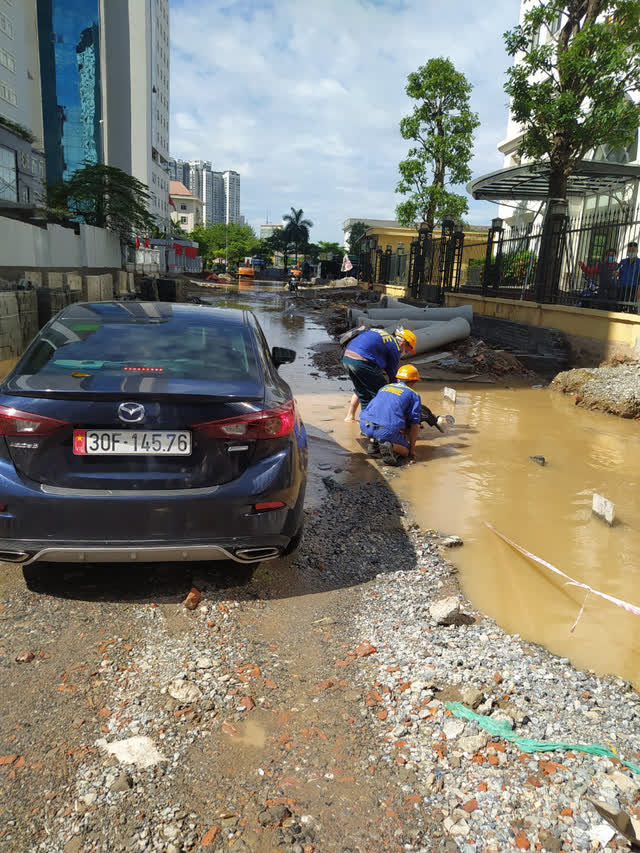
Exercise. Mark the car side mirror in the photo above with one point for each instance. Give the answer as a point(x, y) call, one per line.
point(282, 355)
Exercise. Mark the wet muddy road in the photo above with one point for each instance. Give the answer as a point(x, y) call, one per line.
point(266, 722)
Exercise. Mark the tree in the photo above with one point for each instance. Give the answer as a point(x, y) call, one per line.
point(441, 127)
point(297, 229)
point(105, 197)
point(357, 234)
point(231, 241)
point(278, 241)
point(328, 248)
point(570, 94)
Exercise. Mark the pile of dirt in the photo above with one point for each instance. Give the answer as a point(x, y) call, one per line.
point(610, 388)
point(474, 356)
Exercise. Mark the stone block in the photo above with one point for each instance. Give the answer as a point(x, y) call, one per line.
point(604, 509)
point(119, 283)
point(54, 280)
point(27, 301)
point(91, 289)
point(34, 276)
point(10, 329)
point(106, 287)
point(73, 280)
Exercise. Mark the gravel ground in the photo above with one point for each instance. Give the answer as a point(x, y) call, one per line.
point(614, 389)
point(302, 709)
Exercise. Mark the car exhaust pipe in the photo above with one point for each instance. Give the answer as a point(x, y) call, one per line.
point(251, 555)
point(13, 556)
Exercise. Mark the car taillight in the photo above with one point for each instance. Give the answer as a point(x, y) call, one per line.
point(14, 422)
point(271, 423)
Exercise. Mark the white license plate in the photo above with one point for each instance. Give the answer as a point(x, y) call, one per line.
point(115, 442)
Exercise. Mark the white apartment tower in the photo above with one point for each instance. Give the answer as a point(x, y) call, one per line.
point(134, 50)
point(218, 191)
point(21, 162)
point(232, 196)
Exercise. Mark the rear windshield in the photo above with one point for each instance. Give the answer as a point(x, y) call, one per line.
point(97, 352)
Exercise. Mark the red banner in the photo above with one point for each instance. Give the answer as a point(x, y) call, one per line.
point(191, 251)
point(178, 248)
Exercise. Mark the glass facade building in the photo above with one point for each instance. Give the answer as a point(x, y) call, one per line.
point(69, 36)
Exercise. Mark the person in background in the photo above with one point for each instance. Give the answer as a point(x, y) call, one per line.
point(370, 356)
point(629, 276)
point(391, 421)
point(603, 276)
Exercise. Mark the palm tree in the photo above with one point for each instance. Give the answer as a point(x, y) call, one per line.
point(297, 228)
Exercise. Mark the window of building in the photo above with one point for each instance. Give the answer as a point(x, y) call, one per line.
point(8, 94)
point(8, 174)
point(7, 60)
point(556, 24)
point(6, 26)
point(183, 219)
point(25, 195)
point(183, 207)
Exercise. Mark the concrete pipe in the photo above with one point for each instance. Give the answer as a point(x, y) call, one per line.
point(411, 313)
point(440, 334)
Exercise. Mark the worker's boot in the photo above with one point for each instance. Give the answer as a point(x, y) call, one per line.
point(389, 456)
point(373, 447)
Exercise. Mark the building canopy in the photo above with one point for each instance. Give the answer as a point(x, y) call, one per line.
point(531, 183)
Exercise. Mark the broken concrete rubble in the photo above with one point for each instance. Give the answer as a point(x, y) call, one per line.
point(448, 611)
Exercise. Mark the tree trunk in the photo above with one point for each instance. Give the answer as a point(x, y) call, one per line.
point(558, 180)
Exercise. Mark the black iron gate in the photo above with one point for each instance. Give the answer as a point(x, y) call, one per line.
point(435, 263)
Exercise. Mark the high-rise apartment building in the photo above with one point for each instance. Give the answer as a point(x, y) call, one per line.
point(208, 185)
point(21, 161)
point(218, 197)
point(105, 89)
point(231, 196)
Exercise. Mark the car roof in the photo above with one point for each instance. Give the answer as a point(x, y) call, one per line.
point(133, 311)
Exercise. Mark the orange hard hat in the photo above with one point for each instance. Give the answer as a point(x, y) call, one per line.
point(408, 336)
point(409, 373)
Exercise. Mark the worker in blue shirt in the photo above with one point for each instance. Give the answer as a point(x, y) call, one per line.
point(371, 355)
point(629, 275)
point(391, 421)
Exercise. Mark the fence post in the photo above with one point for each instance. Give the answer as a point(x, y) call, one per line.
point(377, 266)
point(411, 274)
point(487, 273)
point(456, 258)
point(423, 255)
point(551, 250)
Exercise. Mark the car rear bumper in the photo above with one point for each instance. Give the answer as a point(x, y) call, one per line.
point(243, 553)
point(216, 523)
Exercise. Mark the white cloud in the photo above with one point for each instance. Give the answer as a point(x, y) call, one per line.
point(304, 98)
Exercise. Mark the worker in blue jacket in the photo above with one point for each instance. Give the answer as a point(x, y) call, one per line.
point(629, 275)
point(372, 360)
point(391, 421)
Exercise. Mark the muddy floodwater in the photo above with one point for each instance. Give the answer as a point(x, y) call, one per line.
point(481, 471)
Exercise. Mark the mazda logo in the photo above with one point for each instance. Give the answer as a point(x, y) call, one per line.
point(131, 413)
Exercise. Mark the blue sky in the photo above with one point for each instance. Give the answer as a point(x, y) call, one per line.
point(304, 98)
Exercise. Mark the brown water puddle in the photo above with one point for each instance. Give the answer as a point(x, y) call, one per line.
point(480, 471)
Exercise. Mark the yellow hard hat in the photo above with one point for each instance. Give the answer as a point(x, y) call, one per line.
point(407, 336)
point(408, 372)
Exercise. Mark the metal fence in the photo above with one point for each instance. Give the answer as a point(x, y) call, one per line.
point(580, 262)
point(585, 263)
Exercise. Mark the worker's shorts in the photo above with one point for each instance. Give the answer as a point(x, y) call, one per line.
point(382, 433)
point(367, 378)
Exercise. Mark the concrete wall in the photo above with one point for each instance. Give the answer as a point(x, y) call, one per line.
point(591, 335)
point(53, 247)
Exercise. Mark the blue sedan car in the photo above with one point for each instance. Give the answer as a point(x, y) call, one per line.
point(135, 431)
